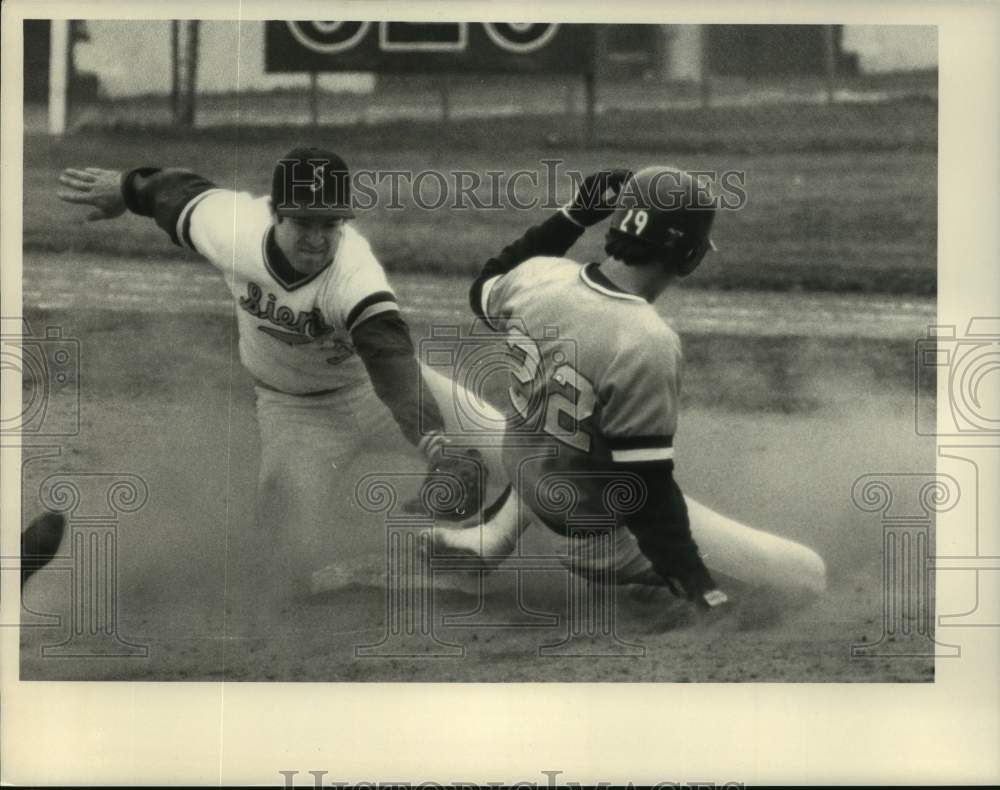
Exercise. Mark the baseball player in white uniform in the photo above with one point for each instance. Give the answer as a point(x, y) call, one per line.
point(320, 332)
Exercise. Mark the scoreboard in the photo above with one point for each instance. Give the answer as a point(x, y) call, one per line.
point(403, 47)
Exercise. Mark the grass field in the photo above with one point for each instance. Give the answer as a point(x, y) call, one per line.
point(838, 198)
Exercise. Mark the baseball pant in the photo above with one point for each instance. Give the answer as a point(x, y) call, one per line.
point(605, 556)
point(307, 473)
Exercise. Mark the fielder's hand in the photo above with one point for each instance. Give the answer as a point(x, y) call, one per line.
point(95, 187)
point(453, 489)
point(596, 198)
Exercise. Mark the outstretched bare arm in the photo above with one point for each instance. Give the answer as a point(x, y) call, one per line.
point(164, 195)
point(95, 187)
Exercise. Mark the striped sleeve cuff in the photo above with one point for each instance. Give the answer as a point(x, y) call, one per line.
point(372, 305)
point(183, 230)
point(132, 202)
point(641, 449)
point(484, 300)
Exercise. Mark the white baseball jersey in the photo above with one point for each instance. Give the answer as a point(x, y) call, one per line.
point(294, 337)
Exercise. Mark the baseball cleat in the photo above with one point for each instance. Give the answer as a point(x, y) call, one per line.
point(40, 542)
point(713, 600)
point(467, 548)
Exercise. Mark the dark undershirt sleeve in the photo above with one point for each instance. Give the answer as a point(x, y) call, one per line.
point(162, 194)
point(383, 342)
point(554, 236)
point(662, 527)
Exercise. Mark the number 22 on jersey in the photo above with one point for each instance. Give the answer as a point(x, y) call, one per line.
point(565, 417)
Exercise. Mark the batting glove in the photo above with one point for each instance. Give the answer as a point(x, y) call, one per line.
point(596, 198)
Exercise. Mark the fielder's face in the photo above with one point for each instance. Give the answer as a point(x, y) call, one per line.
point(309, 243)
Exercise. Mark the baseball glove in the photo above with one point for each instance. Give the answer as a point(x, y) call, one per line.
point(454, 487)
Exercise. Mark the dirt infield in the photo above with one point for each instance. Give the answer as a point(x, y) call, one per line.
point(774, 431)
point(57, 282)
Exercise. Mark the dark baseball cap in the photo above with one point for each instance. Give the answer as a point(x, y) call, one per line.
point(311, 182)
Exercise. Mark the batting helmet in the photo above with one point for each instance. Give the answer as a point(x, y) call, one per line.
point(666, 210)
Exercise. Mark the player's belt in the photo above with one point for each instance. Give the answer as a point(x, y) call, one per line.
point(314, 394)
